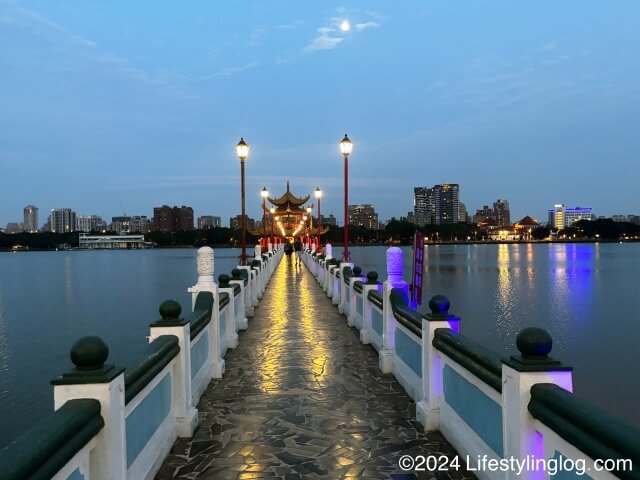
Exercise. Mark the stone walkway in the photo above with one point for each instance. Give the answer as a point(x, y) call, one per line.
point(303, 398)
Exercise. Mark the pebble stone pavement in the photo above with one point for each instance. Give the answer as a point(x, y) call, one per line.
point(302, 398)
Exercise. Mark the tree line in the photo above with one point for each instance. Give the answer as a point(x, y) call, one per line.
point(396, 232)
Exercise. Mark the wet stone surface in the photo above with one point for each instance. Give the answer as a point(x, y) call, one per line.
point(302, 398)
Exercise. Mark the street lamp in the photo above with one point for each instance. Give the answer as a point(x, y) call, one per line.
point(318, 194)
point(310, 231)
point(242, 150)
point(272, 211)
point(264, 193)
point(346, 146)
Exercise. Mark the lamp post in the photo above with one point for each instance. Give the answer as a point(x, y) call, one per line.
point(264, 193)
point(318, 193)
point(346, 146)
point(242, 150)
point(272, 211)
point(309, 210)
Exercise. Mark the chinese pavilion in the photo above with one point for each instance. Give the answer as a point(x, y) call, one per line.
point(290, 218)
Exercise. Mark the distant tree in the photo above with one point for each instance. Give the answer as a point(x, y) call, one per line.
point(540, 233)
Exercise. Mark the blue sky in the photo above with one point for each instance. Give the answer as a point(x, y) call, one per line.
point(112, 107)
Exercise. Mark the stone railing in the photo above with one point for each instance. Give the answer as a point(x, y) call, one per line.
point(120, 423)
point(512, 412)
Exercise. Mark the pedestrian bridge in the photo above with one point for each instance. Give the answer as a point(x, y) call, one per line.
point(334, 376)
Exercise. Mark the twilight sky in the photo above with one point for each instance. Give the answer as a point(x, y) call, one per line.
point(119, 106)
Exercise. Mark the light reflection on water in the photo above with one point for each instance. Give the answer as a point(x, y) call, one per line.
point(584, 294)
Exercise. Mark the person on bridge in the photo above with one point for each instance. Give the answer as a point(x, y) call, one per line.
point(288, 250)
point(297, 246)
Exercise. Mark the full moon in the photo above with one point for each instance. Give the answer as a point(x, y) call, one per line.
point(344, 26)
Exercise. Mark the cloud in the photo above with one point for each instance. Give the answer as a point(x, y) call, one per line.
point(323, 42)
point(364, 26)
point(231, 71)
point(292, 25)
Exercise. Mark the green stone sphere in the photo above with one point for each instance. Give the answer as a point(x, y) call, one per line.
point(236, 273)
point(224, 279)
point(170, 309)
point(357, 271)
point(372, 277)
point(439, 304)
point(89, 353)
point(534, 342)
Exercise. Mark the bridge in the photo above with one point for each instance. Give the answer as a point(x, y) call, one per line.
point(318, 371)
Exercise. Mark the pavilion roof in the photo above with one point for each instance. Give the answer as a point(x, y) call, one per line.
point(289, 201)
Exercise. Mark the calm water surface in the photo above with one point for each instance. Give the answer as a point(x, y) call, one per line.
point(50, 299)
point(585, 295)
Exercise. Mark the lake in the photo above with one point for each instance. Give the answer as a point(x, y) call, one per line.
point(585, 295)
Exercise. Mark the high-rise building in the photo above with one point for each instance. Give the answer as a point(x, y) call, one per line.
point(209, 221)
point(88, 223)
point(440, 204)
point(503, 215)
point(62, 220)
point(236, 223)
point(562, 217)
point(13, 227)
point(174, 219)
point(120, 224)
point(462, 213)
point(139, 224)
point(30, 219)
point(363, 216)
point(446, 201)
point(328, 220)
point(423, 206)
point(484, 214)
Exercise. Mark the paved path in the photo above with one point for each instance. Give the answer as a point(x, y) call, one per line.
point(302, 398)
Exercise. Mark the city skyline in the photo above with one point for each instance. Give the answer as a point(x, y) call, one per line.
point(107, 108)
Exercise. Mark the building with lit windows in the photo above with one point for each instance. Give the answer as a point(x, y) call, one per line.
point(62, 220)
point(363, 216)
point(30, 219)
point(562, 217)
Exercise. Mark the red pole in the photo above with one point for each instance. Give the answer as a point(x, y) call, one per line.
point(345, 253)
point(319, 225)
point(264, 225)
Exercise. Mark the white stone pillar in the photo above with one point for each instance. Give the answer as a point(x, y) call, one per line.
point(372, 284)
point(237, 279)
point(519, 374)
point(357, 277)
point(231, 329)
point(344, 287)
point(428, 409)
point(91, 378)
point(205, 262)
point(394, 280)
point(251, 284)
point(172, 324)
point(246, 290)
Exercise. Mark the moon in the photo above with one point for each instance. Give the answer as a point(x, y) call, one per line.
point(344, 26)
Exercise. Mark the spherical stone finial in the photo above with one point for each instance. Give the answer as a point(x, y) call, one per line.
point(205, 261)
point(439, 304)
point(170, 309)
point(357, 271)
point(224, 279)
point(372, 277)
point(394, 264)
point(236, 273)
point(89, 353)
point(534, 342)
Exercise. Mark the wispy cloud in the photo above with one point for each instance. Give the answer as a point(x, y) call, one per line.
point(330, 35)
point(365, 25)
point(231, 71)
point(323, 42)
point(291, 25)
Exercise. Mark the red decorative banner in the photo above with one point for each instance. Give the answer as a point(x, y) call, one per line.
point(418, 268)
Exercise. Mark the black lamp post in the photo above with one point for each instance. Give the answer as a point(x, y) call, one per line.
point(242, 150)
point(346, 146)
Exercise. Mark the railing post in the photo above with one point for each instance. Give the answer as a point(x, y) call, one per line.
point(251, 286)
point(242, 306)
point(172, 324)
point(236, 275)
point(357, 277)
point(205, 261)
point(232, 330)
point(260, 273)
point(394, 280)
point(91, 378)
point(428, 409)
point(372, 284)
point(344, 287)
point(519, 374)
